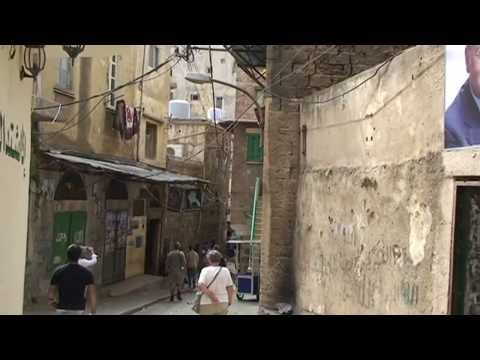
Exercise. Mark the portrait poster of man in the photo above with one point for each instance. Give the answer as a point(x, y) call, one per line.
point(462, 96)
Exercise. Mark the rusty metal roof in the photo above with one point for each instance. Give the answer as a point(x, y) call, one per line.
point(136, 170)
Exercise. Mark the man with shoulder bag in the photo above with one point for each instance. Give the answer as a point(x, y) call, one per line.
point(216, 288)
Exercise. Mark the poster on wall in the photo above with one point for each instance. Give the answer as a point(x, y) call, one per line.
point(462, 96)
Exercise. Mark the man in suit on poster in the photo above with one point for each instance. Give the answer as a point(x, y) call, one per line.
point(462, 119)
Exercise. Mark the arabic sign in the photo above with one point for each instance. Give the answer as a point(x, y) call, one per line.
point(13, 141)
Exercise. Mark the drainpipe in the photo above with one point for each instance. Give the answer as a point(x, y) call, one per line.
point(141, 103)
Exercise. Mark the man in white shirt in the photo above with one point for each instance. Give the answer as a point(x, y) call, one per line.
point(89, 258)
point(215, 282)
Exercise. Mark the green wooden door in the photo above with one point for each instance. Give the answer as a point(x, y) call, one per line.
point(78, 221)
point(69, 228)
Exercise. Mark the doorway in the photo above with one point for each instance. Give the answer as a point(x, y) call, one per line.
point(153, 238)
point(69, 228)
point(465, 299)
point(115, 246)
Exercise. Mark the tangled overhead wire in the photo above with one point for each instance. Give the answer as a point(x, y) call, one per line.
point(185, 52)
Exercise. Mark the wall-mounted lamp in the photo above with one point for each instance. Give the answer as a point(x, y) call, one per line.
point(34, 59)
point(73, 50)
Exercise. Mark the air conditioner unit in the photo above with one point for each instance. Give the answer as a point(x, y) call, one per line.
point(178, 149)
point(179, 109)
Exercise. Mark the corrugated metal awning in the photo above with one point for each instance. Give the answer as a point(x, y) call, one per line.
point(143, 172)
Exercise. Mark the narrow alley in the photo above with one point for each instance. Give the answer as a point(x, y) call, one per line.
point(313, 179)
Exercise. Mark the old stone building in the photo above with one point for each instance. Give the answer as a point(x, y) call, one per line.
point(198, 148)
point(91, 183)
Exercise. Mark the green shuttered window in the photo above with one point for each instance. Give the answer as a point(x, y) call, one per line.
point(254, 148)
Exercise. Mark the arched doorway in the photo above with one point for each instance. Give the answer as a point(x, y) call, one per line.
point(70, 187)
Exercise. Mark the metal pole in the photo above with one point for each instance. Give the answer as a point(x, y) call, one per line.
point(141, 103)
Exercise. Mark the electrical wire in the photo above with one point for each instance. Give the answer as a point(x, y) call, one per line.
point(304, 66)
point(108, 92)
point(213, 92)
point(49, 134)
point(388, 61)
point(67, 127)
point(289, 61)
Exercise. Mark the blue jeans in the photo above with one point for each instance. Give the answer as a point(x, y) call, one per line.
point(192, 278)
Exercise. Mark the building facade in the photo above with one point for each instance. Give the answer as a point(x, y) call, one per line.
point(196, 148)
point(200, 96)
point(247, 163)
point(94, 184)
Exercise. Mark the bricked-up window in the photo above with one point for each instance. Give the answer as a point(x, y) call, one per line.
point(65, 74)
point(151, 141)
point(254, 148)
point(304, 140)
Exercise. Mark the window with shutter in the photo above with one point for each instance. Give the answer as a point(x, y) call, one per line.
point(254, 149)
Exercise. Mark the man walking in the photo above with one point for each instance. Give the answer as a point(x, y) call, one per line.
point(72, 288)
point(192, 267)
point(175, 266)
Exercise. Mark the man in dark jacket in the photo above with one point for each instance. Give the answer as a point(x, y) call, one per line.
point(462, 119)
point(175, 265)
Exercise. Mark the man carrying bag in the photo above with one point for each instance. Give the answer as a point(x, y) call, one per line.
point(216, 283)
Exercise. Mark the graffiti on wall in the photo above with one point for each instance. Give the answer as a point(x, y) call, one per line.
point(13, 140)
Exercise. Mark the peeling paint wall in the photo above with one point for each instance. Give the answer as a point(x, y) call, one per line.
point(43, 208)
point(374, 208)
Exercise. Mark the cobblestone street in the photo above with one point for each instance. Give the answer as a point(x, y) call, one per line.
point(247, 307)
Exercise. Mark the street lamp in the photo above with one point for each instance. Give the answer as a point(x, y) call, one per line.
point(198, 78)
point(34, 59)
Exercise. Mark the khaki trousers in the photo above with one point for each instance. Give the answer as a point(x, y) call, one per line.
point(214, 309)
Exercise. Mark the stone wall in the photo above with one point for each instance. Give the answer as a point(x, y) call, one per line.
point(374, 208)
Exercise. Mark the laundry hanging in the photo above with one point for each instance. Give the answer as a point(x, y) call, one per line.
point(126, 120)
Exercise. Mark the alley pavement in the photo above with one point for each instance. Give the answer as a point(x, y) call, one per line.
point(184, 307)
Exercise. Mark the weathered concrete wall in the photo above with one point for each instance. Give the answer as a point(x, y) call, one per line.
point(15, 131)
point(374, 207)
